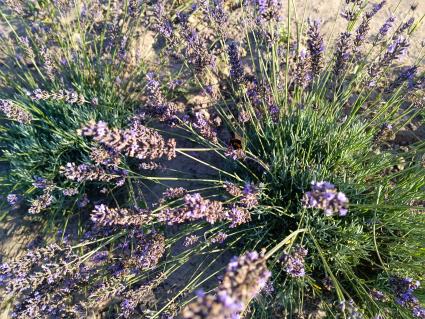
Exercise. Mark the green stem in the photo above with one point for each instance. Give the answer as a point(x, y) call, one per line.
point(284, 242)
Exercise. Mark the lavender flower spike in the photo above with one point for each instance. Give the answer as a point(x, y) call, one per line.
point(315, 46)
point(245, 277)
point(268, 11)
point(66, 96)
point(12, 199)
point(105, 216)
point(14, 113)
point(394, 51)
point(324, 195)
point(342, 54)
point(294, 262)
point(386, 27)
point(364, 27)
point(301, 76)
point(406, 25)
point(236, 69)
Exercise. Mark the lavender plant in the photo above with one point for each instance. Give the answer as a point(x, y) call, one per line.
point(289, 164)
point(65, 64)
point(307, 129)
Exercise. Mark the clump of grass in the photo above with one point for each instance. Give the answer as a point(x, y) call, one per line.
point(300, 159)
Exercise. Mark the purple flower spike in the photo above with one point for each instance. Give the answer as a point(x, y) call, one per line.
point(236, 68)
point(419, 312)
point(268, 11)
point(386, 27)
point(315, 46)
point(245, 277)
point(294, 263)
point(12, 199)
point(324, 195)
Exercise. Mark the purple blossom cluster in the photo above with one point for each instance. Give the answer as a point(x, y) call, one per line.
point(138, 141)
point(156, 103)
point(268, 11)
point(383, 31)
point(42, 202)
point(40, 182)
point(173, 193)
point(377, 295)
point(134, 7)
point(236, 69)
point(104, 156)
point(66, 96)
point(243, 116)
point(42, 285)
point(216, 13)
point(151, 166)
point(14, 113)
point(100, 256)
point(408, 75)
point(198, 208)
point(134, 299)
point(195, 208)
point(403, 27)
point(48, 64)
point(324, 196)
point(190, 240)
point(247, 199)
point(350, 14)
point(261, 97)
point(235, 153)
point(24, 43)
point(84, 201)
point(148, 251)
point(46, 280)
point(245, 277)
point(302, 76)
point(12, 199)
point(196, 51)
point(163, 25)
point(315, 46)
point(404, 289)
point(342, 54)
point(293, 263)
point(238, 215)
point(86, 172)
point(250, 196)
point(394, 51)
point(219, 238)
point(364, 26)
point(350, 310)
point(209, 306)
point(103, 216)
point(205, 127)
point(233, 189)
point(254, 92)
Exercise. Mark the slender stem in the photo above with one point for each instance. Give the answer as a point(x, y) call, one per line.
point(284, 242)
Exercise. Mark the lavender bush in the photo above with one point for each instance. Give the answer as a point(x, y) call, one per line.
point(289, 163)
point(66, 64)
